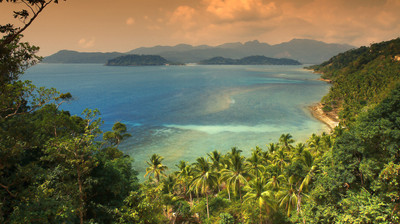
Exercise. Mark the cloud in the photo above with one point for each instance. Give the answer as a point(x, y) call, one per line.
point(234, 10)
point(84, 43)
point(183, 16)
point(130, 21)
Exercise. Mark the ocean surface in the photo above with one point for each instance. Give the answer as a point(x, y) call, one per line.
point(183, 112)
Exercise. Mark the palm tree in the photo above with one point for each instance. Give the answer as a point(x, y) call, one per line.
point(285, 141)
point(299, 148)
point(288, 196)
point(309, 163)
point(255, 161)
point(328, 140)
point(183, 177)
point(216, 159)
point(234, 151)
point(204, 179)
point(235, 174)
point(291, 195)
point(217, 164)
point(258, 191)
point(275, 182)
point(281, 159)
point(315, 143)
point(156, 167)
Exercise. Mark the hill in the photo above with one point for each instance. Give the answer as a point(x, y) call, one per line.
point(361, 77)
point(251, 60)
point(137, 60)
point(66, 56)
point(303, 50)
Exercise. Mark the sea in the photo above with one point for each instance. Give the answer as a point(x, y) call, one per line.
point(185, 112)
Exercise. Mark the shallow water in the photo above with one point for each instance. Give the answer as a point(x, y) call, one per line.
point(183, 112)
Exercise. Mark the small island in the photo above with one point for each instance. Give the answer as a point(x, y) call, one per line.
point(139, 60)
point(251, 60)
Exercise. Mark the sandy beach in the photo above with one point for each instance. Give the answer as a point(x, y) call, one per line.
point(330, 119)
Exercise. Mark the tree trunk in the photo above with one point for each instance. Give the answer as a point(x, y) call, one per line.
point(240, 192)
point(81, 204)
point(208, 210)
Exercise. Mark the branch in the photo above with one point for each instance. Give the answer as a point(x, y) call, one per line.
point(23, 1)
point(9, 192)
point(12, 37)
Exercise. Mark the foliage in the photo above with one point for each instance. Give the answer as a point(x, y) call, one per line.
point(251, 60)
point(361, 77)
point(137, 60)
point(58, 168)
point(53, 169)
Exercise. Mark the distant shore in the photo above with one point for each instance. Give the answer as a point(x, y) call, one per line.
point(330, 119)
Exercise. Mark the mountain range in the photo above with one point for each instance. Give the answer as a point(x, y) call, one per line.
point(305, 51)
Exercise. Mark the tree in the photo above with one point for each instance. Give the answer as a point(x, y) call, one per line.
point(204, 179)
point(117, 135)
point(255, 161)
point(156, 167)
point(236, 174)
point(75, 156)
point(288, 196)
point(285, 141)
point(183, 177)
point(257, 190)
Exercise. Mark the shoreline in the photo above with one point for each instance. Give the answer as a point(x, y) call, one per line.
point(330, 119)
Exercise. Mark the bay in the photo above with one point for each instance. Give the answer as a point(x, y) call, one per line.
point(183, 112)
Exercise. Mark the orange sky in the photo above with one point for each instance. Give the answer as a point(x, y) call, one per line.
point(122, 25)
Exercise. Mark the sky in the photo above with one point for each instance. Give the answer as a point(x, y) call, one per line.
point(123, 25)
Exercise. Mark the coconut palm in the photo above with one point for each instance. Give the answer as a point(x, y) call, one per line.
point(156, 167)
point(255, 161)
point(288, 196)
point(203, 179)
point(310, 166)
point(285, 141)
point(327, 140)
point(183, 177)
point(281, 159)
point(217, 164)
point(275, 182)
point(216, 160)
point(236, 174)
point(315, 143)
point(258, 191)
point(299, 148)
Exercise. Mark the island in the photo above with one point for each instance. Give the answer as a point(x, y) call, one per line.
point(140, 60)
point(251, 60)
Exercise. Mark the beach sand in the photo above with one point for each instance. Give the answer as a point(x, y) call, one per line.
point(329, 118)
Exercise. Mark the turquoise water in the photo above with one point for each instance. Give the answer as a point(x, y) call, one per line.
point(183, 112)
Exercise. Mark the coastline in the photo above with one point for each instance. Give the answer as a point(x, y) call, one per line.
point(330, 119)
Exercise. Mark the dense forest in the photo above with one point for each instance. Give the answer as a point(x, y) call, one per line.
point(58, 168)
point(361, 77)
point(251, 60)
point(137, 60)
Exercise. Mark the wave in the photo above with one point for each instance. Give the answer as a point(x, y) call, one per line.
point(216, 129)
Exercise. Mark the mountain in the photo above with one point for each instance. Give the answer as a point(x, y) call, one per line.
point(303, 50)
point(66, 56)
point(251, 60)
